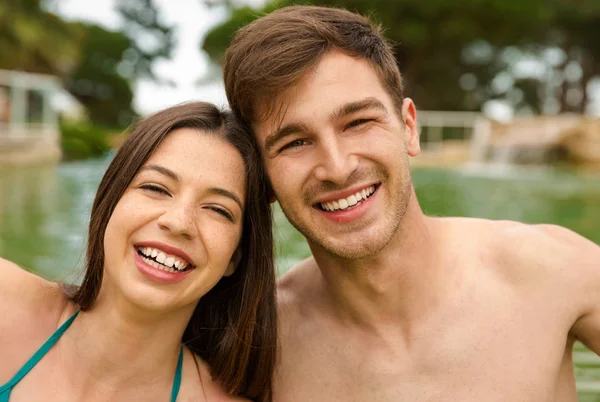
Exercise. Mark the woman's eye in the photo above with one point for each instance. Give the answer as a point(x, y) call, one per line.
point(358, 122)
point(221, 211)
point(293, 144)
point(155, 189)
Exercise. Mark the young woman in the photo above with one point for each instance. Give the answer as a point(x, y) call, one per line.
point(177, 302)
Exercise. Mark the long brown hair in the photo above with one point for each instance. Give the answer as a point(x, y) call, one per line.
point(234, 326)
point(273, 53)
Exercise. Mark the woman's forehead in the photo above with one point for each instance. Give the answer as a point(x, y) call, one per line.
point(206, 156)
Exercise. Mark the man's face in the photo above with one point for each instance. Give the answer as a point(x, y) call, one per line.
point(337, 157)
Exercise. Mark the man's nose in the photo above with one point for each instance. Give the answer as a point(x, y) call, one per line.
point(178, 219)
point(336, 162)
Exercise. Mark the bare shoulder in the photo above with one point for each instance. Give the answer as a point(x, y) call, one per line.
point(21, 290)
point(553, 249)
point(212, 389)
point(541, 263)
point(298, 287)
point(530, 253)
point(289, 282)
point(30, 310)
point(13, 275)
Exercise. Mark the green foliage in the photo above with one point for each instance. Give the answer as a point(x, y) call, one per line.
point(217, 39)
point(34, 40)
point(96, 83)
point(97, 66)
point(441, 43)
point(84, 140)
point(141, 20)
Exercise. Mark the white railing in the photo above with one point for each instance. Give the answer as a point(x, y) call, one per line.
point(436, 121)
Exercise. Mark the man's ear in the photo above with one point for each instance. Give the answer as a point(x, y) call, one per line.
point(233, 263)
point(409, 115)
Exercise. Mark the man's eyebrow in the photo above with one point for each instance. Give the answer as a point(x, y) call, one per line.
point(283, 132)
point(226, 193)
point(353, 107)
point(162, 170)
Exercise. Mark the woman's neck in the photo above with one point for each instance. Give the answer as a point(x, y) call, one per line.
point(116, 346)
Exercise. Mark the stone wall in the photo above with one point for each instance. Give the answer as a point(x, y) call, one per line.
point(29, 148)
point(30, 156)
point(538, 139)
point(582, 143)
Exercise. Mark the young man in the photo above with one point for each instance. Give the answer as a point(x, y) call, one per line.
point(395, 305)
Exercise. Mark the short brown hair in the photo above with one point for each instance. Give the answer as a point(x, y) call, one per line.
point(274, 52)
point(234, 326)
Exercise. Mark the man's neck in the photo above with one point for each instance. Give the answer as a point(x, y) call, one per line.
point(400, 284)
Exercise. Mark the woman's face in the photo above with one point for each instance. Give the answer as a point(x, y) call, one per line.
point(174, 232)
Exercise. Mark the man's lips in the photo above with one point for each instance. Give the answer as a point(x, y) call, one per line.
point(346, 199)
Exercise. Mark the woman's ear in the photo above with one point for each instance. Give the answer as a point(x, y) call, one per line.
point(271, 193)
point(235, 260)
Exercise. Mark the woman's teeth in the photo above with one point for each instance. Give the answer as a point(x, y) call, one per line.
point(159, 259)
point(344, 203)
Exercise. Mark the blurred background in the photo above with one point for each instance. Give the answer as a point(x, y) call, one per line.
point(508, 93)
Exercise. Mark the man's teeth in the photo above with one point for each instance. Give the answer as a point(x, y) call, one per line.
point(161, 260)
point(344, 203)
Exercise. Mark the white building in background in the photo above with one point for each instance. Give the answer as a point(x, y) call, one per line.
point(29, 129)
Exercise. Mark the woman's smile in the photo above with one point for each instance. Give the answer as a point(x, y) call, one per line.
point(159, 272)
point(163, 256)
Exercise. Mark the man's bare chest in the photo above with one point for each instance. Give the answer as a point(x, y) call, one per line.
point(505, 358)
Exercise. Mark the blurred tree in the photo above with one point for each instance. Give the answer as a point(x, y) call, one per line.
point(34, 40)
point(96, 81)
point(578, 35)
point(98, 66)
point(150, 39)
point(217, 39)
point(461, 55)
point(112, 62)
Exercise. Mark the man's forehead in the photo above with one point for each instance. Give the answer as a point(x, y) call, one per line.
point(275, 109)
point(313, 90)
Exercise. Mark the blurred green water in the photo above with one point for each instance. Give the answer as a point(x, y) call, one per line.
point(44, 213)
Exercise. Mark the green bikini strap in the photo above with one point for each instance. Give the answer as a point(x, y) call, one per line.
point(177, 379)
point(37, 356)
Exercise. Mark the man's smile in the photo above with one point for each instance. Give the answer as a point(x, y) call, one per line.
point(348, 202)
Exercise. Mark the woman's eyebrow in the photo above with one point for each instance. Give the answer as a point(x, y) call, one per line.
point(226, 193)
point(162, 170)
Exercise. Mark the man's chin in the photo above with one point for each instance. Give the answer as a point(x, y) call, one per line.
point(349, 250)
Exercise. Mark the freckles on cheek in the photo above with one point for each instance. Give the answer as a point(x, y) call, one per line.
point(221, 250)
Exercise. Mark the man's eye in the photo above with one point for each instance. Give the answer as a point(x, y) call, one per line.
point(358, 122)
point(221, 211)
point(155, 189)
point(293, 144)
